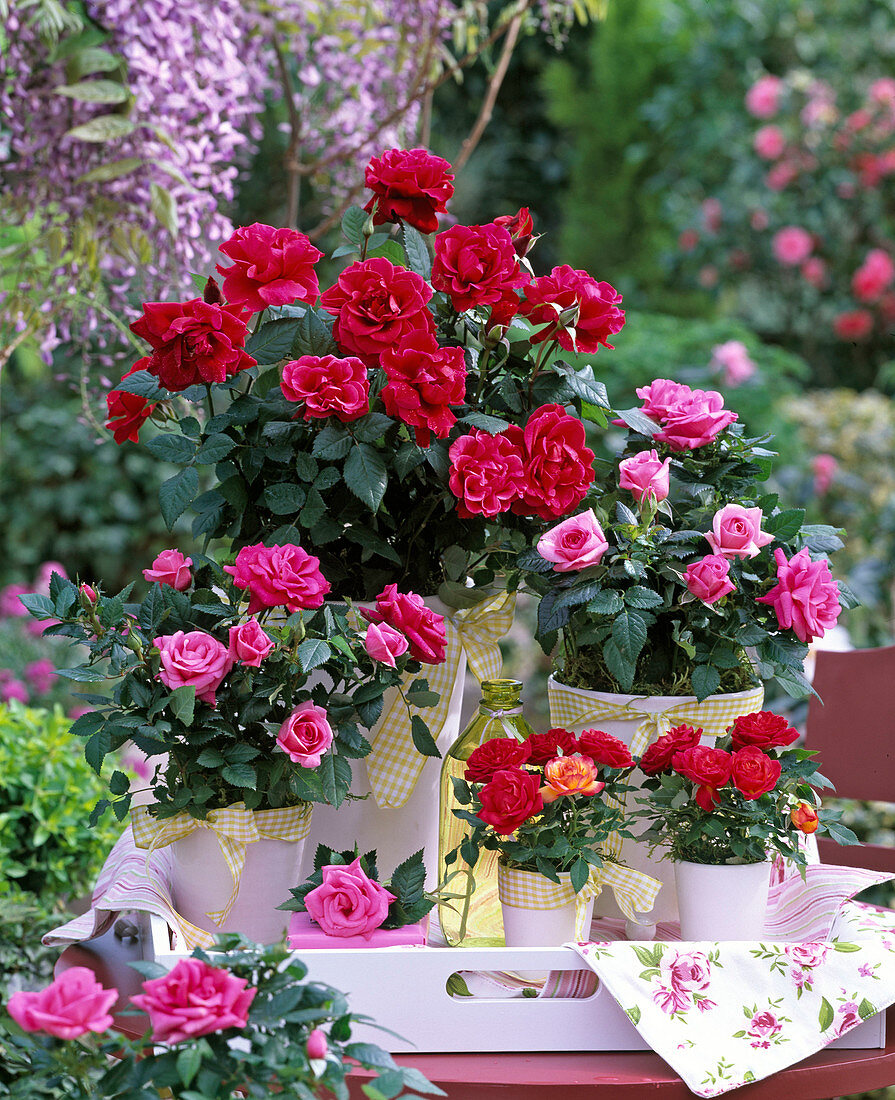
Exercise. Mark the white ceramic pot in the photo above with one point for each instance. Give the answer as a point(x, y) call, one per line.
point(600, 710)
point(722, 901)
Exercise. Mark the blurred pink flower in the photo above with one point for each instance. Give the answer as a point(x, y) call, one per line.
point(732, 359)
point(711, 215)
point(873, 276)
point(45, 572)
point(13, 689)
point(814, 271)
point(823, 467)
point(40, 675)
point(763, 98)
point(792, 245)
point(769, 142)
point(854, 324)
point(11, 606)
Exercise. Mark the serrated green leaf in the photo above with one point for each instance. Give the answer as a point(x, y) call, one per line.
point(638, 596)
point(104, 128)
point(188, 1062)
point(353, 221)
point(313, 337)
point(636, 419)
point(215, 447)
point(177, 494)
point(96, 748)
point(183, 703)
point(312, 653)
point(240, 775)
point(706, 681)
point(171, 448)
point(332, 443)
point(366, 475)
point(273, 340)
point(143, 384)
point(629, 633)
point(785, 525)
point(493, 425)
point(285, 498)
point(607, 602)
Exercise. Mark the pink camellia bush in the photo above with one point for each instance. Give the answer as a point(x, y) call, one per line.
point(348, 902)
point(306, 735)
point(72, 1006)
point(171, 567)
point(576, 543)
point(194, 999)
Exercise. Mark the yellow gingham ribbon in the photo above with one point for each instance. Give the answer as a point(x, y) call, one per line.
point(235, 827)
point(570, 708)
point(634, 891)
point(394, 765)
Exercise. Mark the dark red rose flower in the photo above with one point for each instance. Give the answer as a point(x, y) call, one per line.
point(424, 380)
point(595, 303)
point(328, 386)
point(493, 756)
point(658, 757)
point(271, 267)
point(512, 796)
point(762, 728)
point(707, 767)
point(521, 229)
point(543, 747)
point(558, 463)
point(605, 749)
point(476, 265)
point(193, 342)
point(407, 612)
point(376, 306)
point(128, 412)
point(409, 185)
point(487, 473)
point(754, 773)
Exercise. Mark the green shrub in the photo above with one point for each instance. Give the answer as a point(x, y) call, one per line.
point(47, 790)
point(24, 961)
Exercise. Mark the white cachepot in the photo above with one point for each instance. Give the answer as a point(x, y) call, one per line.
point(722, 901)
point(623, 716)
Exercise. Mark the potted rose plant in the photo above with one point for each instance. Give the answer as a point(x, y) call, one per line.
point(724, 810)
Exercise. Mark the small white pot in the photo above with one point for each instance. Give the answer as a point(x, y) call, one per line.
point(722, 901)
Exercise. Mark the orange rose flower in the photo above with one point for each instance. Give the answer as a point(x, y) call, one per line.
point(570, 775)
point(805, 818)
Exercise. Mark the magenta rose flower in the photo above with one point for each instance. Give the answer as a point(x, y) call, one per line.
point(696, 421)
point(543, 747)
point(194, 999)
point(171, 567)
point(487, 473)
point(279, 576)
point(604, 749)
point(575, 543)
point(645, 475)
point(306, 735)
point(709, 578)
point(493, 756)
point(73, 1005)
point(249, 644)
point(376, 306)
point(591, 307)
point(424, 380)
point(328, 386)
point(409, 185)
point(476, 265)
point(407, 612)
point(348, 902)
point(317, 1047)
point(271, 267)
point(558, 464)
point(736, 532)
point(383, 643)
point(661, 398)
point(805, 597)
point(193, 660)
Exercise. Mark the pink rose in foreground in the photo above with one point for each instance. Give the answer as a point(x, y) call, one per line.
point(487, 473)
point(574, 544)
point(792, 245)
point(194, 999)
point(763, 98)
point(709, 578)
point(279, 576)
point(328, 386)
point(348, 902)
point(170, 567)
point(249, 644)
point(645, 475)
point(384, 643)
point(732, 359)
point(306, 735)
point(73, 1005)
point(317, 1047)
point(407, 612)
point(769, 142)
point(271, 267)
point(805, 597)
point(696, 421)
point(736, 532)
point(193, 660)
point(686, 971)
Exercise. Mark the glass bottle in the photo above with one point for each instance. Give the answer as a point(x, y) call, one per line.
point(499, 715)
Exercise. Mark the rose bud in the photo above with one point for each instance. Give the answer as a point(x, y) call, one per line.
point(805, 818)
point(88, 595)
point(317, 1047)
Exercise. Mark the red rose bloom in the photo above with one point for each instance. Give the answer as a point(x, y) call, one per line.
point(512, 796)
point(407, 612)
point(763, 729)
point(487, 473)
point(521, 229)
point(493, 756)
point(424, 380)
point(658, 757)
point(410, 185)
point(192, 342)
point(377, 305)
point(558, 464)
point(543, 747)
point(128, 412)
point(598, 315)
point(476, 265)
point(271, 267)
point(754, 773)
point(708, 768)
point(328, 386)
point(605, 749)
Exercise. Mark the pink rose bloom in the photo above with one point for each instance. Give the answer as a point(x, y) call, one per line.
point(805, 597)
point(487, 473)
point(317, 1047)
point(348, 902)
point(194, 999)
point(476, 265)
point(306, 735)
point(384, 643)
point(172, 568)
point(193, 660)
point(271, 267)
point(696, 421)
point(824, 468)
point(882, 91)
point(736, 532)
point(732, 359)
point(73, 1005)
point(13, 689)
point(853, 324)
point(407, 613)
point(11, 607)
point(279, 576)
point(645, 475)
point(661, 397)
point(759, 220)
point(764, 1025)
point(574, 544)
point(792, 245)
point(424, 380)
point(40, 674)
point(689, 971)
point(709, 578)
point(807, 954)
point(328, 386)
point(763, 98)
point(769, 142)
point(814, 271)
point(249, 644)
point(873, 276)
